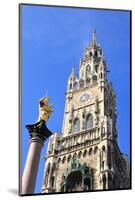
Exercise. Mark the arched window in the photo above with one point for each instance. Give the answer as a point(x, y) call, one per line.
point(90, 151)
point(69, 157)
point(96, 54)
point(75, 85)
point(59, 160)
point(76, 125)
point(103, 157)
point(87, 184)
point(96, 68)
point(90, 53)
point(95, 150)
point(74, 156)
point(88, 80)
point(103, 148)
point(94, 79)
point(89, 121)
point(79, 154)
point(85, 153)
point(64, 159)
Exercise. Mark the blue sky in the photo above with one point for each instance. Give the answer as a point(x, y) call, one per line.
point(53, 41)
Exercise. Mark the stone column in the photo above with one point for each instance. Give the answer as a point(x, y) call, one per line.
point(38, 134)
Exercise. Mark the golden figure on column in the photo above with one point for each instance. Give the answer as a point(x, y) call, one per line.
point(38, 134)
point(45, 109)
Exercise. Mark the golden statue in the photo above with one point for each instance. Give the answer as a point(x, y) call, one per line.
point(45, 109)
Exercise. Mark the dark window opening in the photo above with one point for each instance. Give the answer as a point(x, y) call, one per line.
point(94, 79)
point(90, 53)
point(69, 158)
point(101, 75)
point(84, 153)
point(95, 150)
point(88, 80)
point(103, 163)
point(104, 182)
point(52, 181)
point(96, 54)
point(79, 154)
point(96, 68)
point(74, 181)
point(64, 159)
point(109, 157)
point(90, 151)
point(87, 185)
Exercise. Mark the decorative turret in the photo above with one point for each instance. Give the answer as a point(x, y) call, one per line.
point(72, 81)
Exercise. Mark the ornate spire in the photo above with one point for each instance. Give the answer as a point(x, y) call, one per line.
point(94, 40)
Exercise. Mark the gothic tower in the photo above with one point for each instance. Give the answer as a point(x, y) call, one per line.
point(86, 156)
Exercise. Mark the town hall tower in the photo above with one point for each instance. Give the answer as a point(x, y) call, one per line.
point(86, 155)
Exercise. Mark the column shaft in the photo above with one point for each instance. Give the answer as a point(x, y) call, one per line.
point(31, 166)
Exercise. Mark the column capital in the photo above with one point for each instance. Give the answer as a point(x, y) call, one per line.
point(39, 130)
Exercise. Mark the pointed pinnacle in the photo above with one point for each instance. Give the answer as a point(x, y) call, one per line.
point(94, 41)
point(73, 72)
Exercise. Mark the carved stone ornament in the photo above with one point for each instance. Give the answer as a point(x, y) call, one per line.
point(39, 130)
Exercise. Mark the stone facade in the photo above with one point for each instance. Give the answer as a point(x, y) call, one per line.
point(86, 156)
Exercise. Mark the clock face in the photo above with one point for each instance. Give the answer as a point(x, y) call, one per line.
point(84, 99)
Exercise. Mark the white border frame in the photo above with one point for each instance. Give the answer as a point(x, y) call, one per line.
point(9, 97)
